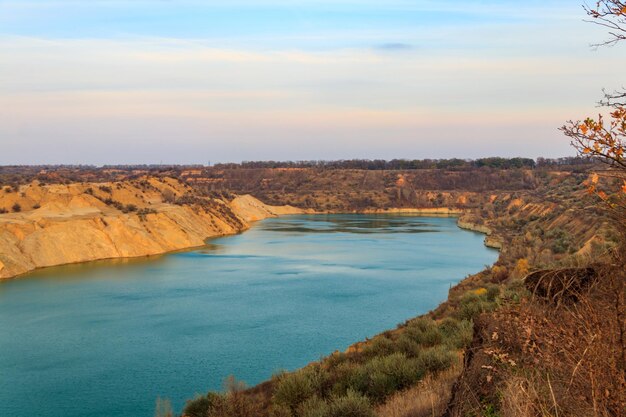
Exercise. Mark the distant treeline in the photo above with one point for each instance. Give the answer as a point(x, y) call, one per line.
point(414, 164)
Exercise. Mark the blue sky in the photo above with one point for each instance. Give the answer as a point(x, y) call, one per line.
point(145, 81)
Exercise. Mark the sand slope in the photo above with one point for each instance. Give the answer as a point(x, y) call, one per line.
point(73, 223)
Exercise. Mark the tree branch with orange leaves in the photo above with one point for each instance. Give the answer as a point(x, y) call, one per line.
point(612, 15)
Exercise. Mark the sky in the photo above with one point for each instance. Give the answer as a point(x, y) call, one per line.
point(190, 81)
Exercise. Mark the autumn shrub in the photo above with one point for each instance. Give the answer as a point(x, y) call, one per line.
point(280, 411)
point(314, 407)
point(16, 208)
point(200, 405)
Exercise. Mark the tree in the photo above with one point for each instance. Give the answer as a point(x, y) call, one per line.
point(598, 138)
point(612, 15)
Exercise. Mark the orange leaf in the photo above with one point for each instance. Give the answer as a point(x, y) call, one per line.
point(584, 129)
point(624, 187)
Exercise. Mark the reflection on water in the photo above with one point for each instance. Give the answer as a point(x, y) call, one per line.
point(347, 223)
point(106, 338)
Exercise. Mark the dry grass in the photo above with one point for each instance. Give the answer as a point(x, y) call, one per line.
point(429, 398)
point(551, 358)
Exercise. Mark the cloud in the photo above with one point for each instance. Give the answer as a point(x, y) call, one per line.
point(394, 47)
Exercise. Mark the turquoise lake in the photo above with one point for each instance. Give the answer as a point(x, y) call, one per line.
point(105, 339)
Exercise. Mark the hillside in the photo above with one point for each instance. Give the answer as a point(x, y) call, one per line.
point(492, 348)
point(499, 333)
point(47, 225)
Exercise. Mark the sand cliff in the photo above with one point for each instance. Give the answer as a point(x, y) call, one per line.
point(61, 224)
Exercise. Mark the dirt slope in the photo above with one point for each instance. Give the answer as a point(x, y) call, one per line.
point(60, 224)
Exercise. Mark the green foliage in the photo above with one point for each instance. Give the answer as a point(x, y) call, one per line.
point(471, 305)
point(296, 387)
point(424, 331)
point(379, 346)
point(436, 359)
point(385, 375)
point(201, 405)
point(352, 404)
point(457, 334)
point(561, 242)
point(314, 407)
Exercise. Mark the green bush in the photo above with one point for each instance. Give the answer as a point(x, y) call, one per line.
point(457, 334)
point(472, 305)
point(294, 388)
point(314, 407)
point(383, 376)
point(200, 405)
point(379, 346)
point(493, 292)
point(436, 359)
point(405, 344)
point(352, 404)
point(424, 331)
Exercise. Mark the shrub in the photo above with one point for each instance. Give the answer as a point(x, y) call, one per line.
point(105, 189)
point(457, 334)
point(493, 292)
point(352, 404)
point(3, 210)
point(408, 346)
point(383, 376)
point(436, 359)
point(36, 206)
point(129, 208)
point(16, 208)
point(200, 405)
point(168, 196)
point(379, 346)
point(280, 411)
point(472, 305)
point(294, 388)
point(314, 407)
point(424, 331)
point(235, 403)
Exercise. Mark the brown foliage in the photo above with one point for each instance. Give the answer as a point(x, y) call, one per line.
point(547, 359)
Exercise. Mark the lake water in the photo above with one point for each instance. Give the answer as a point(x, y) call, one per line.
point(105, 339)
